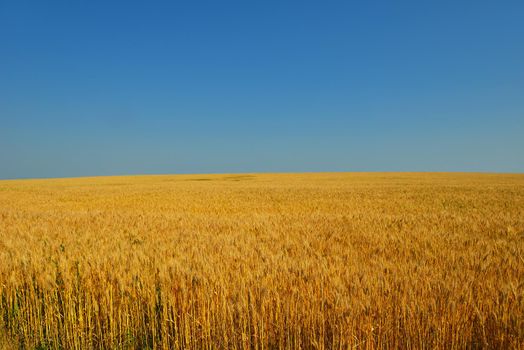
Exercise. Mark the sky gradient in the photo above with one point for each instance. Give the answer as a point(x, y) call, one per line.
point(107, 87)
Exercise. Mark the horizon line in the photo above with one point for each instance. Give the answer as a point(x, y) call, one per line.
point(261, 173)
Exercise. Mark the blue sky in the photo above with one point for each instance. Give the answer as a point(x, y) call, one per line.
point(108, 87)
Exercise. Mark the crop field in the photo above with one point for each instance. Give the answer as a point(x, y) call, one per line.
point(263, 261)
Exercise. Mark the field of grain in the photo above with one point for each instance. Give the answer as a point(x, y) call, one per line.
point(263, 261)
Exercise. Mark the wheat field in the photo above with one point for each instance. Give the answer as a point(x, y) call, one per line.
point(263, 261)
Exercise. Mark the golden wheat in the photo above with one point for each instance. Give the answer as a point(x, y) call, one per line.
point(263, 261)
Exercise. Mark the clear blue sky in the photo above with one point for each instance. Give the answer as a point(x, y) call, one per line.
point(107, 87)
